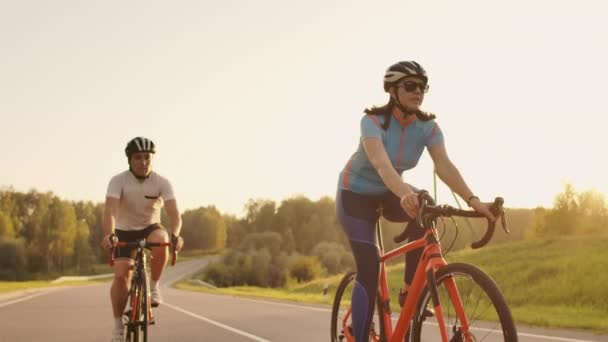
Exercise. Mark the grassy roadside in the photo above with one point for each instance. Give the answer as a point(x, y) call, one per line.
point(98, 269)
point(11, 286)
point(558, 282)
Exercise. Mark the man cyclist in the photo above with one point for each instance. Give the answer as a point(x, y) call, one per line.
point(132, 211)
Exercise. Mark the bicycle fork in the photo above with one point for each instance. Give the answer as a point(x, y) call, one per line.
point(454, 296)
point(432, 284)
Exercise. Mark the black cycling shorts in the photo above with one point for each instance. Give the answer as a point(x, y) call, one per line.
point(132, 236)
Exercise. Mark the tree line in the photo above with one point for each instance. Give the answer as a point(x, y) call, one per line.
point(42, 236)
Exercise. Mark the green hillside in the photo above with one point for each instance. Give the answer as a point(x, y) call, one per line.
point(558, 282)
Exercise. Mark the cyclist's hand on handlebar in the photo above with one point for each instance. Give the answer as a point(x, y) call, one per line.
point(177, 241)
point(108, 241)
point(483, 208)
point(410, 204)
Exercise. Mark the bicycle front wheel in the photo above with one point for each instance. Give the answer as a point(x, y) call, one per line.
point(341, 315)
point(131, 323)
point(485, 308)
point(137, 328)
point(145, 309)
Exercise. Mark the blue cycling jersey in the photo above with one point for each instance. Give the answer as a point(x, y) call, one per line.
point(404, 143)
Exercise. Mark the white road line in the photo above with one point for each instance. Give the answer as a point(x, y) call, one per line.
point(23, 299)
point(552, 338)
point(546, 337)
point(288, 305)
point(218, 324)
point(519, 333)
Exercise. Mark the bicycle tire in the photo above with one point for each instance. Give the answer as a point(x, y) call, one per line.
point(340, 306)
point(131, 327)
point(485, 307)
point(145, 298)
point(135, 331)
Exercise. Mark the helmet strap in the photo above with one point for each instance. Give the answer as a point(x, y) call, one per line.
point(406, 112)
point(139, 177)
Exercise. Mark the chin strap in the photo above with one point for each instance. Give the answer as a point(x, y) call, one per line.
point(406, 112)
point(139, 177)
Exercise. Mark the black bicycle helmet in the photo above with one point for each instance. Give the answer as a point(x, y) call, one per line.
point(403, 69)
point(139, 144)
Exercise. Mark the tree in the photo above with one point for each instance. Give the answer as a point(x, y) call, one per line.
point(12, 259)
point(573, 213)
point(204, 229)
point(83, 257)
point(59, 231)
point(270, 241)
point(235, 230)
point(7, 230)
point(260, 214)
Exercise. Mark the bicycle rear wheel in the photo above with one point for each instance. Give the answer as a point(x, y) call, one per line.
point(341, 318)
point(486, 310)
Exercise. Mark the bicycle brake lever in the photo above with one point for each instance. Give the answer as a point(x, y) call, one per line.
point(498, 203)
point(503, 221)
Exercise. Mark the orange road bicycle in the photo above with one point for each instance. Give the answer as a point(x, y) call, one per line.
point(468, 306)
point(140, 315)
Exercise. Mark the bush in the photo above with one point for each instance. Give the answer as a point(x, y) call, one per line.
point(12, 259)
point(305, 268)
point(333, 256)
point(218, 274)
point(256, 268)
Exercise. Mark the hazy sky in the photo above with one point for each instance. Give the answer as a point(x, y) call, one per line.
point(262, 99)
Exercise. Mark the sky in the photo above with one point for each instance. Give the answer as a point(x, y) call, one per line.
point(263, 99)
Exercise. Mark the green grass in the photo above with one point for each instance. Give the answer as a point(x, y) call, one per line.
point(10, 286)
point(557, 282)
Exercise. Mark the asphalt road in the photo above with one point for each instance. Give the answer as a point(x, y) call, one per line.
point(83, 314)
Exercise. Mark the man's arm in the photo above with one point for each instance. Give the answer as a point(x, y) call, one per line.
point(109, 219)
point(175, 220)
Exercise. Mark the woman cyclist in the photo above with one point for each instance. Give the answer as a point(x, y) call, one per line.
point(393, 138)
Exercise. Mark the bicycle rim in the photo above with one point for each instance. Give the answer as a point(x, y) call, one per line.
point(341, 318)
point(485, 309)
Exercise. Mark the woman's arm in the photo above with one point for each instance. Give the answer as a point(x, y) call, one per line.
point(379, 158)
point(448, 172)
point(450, 175)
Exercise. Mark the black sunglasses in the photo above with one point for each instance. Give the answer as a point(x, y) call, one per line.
point(411, 87)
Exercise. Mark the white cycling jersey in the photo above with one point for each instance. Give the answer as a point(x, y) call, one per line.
point(140, 200)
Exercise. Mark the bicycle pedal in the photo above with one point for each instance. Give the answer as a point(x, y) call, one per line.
point(127, 313)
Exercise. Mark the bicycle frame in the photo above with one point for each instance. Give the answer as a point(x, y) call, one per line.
point(140, 282)
point(140, 277)
point(430, 261)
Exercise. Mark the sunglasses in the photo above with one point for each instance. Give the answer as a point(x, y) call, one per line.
point(411, 87)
